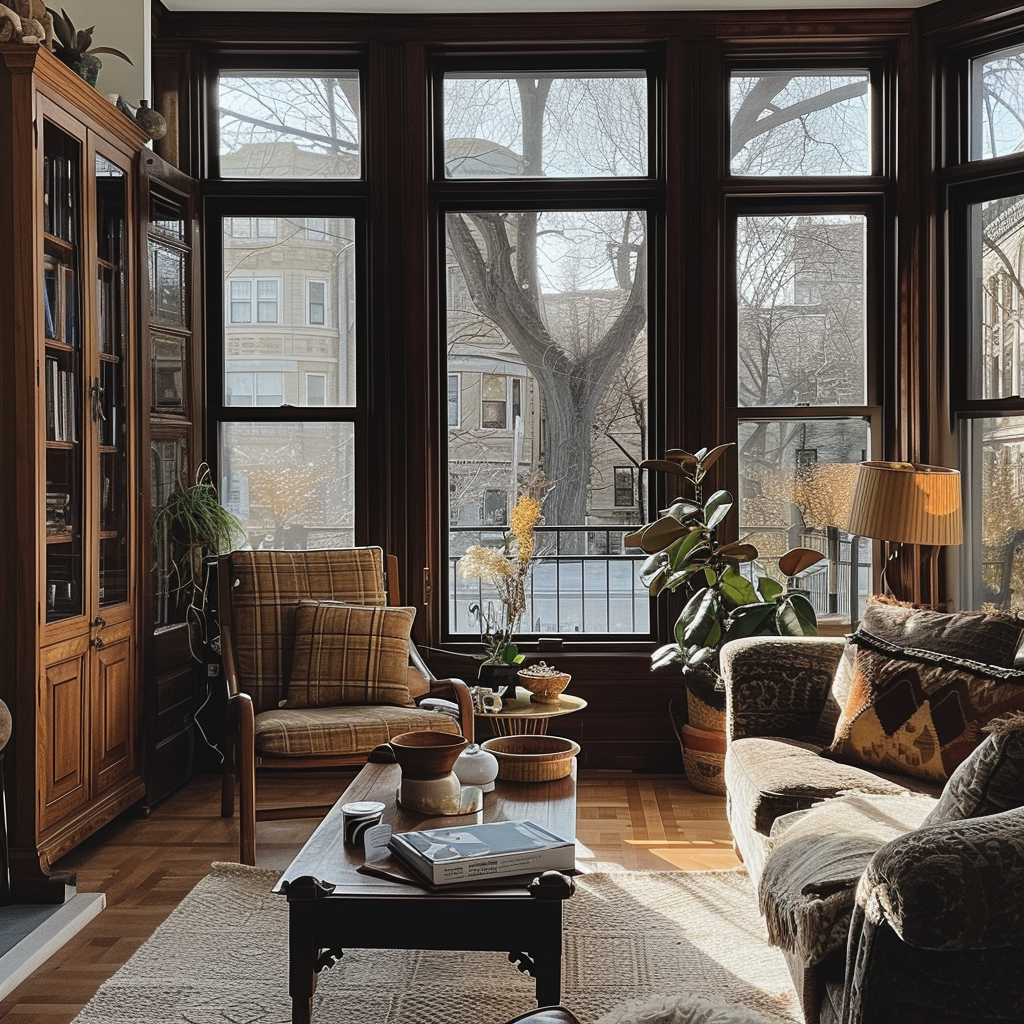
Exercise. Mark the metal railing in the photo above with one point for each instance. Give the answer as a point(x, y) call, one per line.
point(582, 581)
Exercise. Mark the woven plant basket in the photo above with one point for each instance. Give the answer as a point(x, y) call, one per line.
point(532, 757)
point(703, 758)
point(705, 705)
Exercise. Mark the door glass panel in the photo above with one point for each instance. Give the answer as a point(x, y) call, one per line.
point(109, 399)
point(276, 124)
point(292, 485)
point(64, 383)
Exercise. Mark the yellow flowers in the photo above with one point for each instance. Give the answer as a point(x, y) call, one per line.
point(506, 572)
point(523, 519)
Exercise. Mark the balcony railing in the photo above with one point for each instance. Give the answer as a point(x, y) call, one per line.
point(582, 581)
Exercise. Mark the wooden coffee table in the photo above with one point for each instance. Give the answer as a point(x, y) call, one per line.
point(332, 906)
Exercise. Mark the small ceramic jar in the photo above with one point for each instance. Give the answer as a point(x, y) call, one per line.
point(477, 767)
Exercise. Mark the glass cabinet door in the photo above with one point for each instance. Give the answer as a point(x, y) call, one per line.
point(109, 399)
point(64, 374)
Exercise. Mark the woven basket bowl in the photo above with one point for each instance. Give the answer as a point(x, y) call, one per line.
point(532, 757)
point(544, 689)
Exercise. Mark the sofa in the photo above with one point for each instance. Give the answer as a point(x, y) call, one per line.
point(875, 792)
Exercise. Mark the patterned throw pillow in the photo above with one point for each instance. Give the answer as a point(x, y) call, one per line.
point(350, 654)
point(916, 712)
point(990, 780)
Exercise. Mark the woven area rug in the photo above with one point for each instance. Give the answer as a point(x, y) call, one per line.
point(221, 958)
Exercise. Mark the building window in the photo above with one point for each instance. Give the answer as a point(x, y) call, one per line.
point(316, 388)
point(316, 292)
point(454, 399)
point(254, 388)
point(495, 511)
point(625, 496)
point(266, 301)
point(266, 227)
point(494, 401)
point(316, 229)
point(240, 301)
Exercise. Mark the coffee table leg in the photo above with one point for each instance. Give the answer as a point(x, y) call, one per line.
point(548, 974)
point(302, 957)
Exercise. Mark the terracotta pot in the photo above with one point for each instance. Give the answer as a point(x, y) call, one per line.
point(427, 755)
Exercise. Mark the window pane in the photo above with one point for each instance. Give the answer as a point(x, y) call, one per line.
point(796, 480)
point(317, 300)
point(997, 104)
point(995, 499)
point(291, 484)
point(294, 334)
point(801, 337)
point(289, 125)
point(586, 125)
point(566, 349)
point(997, 257)
point(454, 399)
point(806, 123)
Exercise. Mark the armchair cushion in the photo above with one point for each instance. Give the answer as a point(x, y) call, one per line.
point(349, 654)
point(335, 732)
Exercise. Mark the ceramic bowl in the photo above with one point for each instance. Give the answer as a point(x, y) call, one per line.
point(544, 689)
point(427, 755)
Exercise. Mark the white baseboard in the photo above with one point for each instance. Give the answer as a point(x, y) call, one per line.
point(37, 947)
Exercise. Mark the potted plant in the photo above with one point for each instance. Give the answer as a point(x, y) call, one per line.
point(74, 47)
point(190, 526)
point(685, 554)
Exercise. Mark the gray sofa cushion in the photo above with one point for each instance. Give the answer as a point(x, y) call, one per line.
point(770, 777)
point(816, 858)
point(990, 780)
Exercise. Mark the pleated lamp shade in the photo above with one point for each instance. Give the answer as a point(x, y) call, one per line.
point(907, 503)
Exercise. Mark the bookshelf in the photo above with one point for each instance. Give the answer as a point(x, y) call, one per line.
point(70, 565)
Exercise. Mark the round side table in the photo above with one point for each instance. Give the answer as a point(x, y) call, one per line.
point(520, 714)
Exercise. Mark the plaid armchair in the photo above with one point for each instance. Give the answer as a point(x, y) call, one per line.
point(312, 681)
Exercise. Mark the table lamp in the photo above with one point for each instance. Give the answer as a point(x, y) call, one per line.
point(908, 503)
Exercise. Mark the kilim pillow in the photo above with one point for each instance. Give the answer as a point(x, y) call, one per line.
point(917, 712)
point(350, 654)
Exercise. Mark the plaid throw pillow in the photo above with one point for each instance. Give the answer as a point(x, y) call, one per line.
point(350, 654)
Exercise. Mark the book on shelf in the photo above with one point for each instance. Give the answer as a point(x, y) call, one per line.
point(496, 849)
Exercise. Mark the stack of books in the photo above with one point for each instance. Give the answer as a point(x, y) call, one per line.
point(498, 849)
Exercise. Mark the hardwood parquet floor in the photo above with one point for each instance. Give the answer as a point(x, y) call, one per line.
point(147, 866)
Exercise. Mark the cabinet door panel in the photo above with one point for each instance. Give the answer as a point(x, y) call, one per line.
point(112, 717)
point(62, 728)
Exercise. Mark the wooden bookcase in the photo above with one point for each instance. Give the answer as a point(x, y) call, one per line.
point(71, 553)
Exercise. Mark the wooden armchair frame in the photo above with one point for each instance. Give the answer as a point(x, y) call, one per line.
point(287, 571)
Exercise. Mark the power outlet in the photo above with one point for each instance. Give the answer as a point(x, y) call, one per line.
point(213, 670)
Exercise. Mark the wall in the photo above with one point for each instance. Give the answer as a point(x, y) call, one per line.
point(126, 27)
